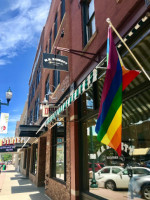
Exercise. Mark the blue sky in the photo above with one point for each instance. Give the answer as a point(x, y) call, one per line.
point(21, 23)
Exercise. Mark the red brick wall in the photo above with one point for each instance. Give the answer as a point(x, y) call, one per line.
point(41, 161)
point(56, 190)
point(120, 14)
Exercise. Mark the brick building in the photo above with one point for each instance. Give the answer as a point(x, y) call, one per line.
point(65, 141)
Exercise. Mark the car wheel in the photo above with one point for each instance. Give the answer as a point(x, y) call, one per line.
point(110, 185)
point(146, 192)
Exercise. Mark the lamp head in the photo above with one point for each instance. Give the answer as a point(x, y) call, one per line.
point(9, 95)
point(45, 101)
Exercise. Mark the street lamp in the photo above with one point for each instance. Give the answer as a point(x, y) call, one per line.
point(8, 98)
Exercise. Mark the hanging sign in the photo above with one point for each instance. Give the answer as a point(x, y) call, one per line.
point(10, 148)
point(52, 109)
point(45, 111)
point(55, 62)
point(11, 141)
point(4, 123)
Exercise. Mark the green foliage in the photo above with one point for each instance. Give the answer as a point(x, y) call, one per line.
point(96, 144)
point(7, 157)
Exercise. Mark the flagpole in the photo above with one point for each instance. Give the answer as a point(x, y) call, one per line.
point(140, 66)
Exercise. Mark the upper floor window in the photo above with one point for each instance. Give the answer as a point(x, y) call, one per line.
point(50, 42)
point(88, 13)
point(31, 117)
point(33, 90)
point(36, 111)
point(55, 27)
point(38, 76)
point(62, 8)
point(47, 87)
point(46, 48)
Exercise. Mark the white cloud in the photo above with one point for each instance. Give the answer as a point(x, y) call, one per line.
point(14, 118)
point(20, 26)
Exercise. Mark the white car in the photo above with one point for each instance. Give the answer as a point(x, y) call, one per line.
point(116, 177)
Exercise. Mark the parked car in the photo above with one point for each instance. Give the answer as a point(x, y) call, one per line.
point(102, 165)
point(97, 167)
point(147, 164)
point(116, 177)
point(140, 185)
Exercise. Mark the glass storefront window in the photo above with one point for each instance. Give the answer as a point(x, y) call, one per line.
point(102, 165)
point(34, 158)
point(58, 168)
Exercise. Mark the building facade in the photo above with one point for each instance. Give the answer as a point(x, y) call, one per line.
point(61, 155)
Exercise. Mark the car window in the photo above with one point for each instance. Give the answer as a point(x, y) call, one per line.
point(125, 172)
point(106, 170)
point(140, 171)
point(115, 170)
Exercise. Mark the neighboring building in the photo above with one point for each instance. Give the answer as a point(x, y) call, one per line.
point(66, 142)
point(18, 157)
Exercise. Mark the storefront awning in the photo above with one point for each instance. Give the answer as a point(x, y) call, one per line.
point(141, 151)
point(30, 130)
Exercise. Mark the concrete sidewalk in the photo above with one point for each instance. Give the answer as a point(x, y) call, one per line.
point(14, 186)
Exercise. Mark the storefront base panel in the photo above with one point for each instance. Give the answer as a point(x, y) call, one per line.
point(33, 178)
point(24, 172)
point(57, 191)
point(85, 196)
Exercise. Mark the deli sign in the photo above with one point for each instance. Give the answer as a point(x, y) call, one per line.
point(47, 110)
point(55, 62)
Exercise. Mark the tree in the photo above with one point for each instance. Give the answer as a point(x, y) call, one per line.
point(7, 157)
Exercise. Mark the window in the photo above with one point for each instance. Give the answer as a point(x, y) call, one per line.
point(46, 48)
point(25, 159)
point(34, 158)
point(38, 76)
point(62, 8)
point(47, 87)
point(88, 13)
point(58, 168)
point(116, 170)
point(33, 90)
point(141, 171)
point(36, 111)
point(56, 78)
point(105, 171)
point(31, 116)
point(55, 27)
point(50, 42)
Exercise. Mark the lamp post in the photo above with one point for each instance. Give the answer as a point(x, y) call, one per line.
point(8, 98)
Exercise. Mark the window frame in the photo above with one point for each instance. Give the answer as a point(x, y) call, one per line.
point(86, 21)
point(50, 42)
point(55, 26)
point(63, 9)
point(54, 145)
point(34, 159)
point(47, 87)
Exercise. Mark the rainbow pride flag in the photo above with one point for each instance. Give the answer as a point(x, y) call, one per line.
point(109, 122)
point(127, 75)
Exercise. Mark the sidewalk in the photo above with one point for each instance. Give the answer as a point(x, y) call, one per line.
point(14, 186)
